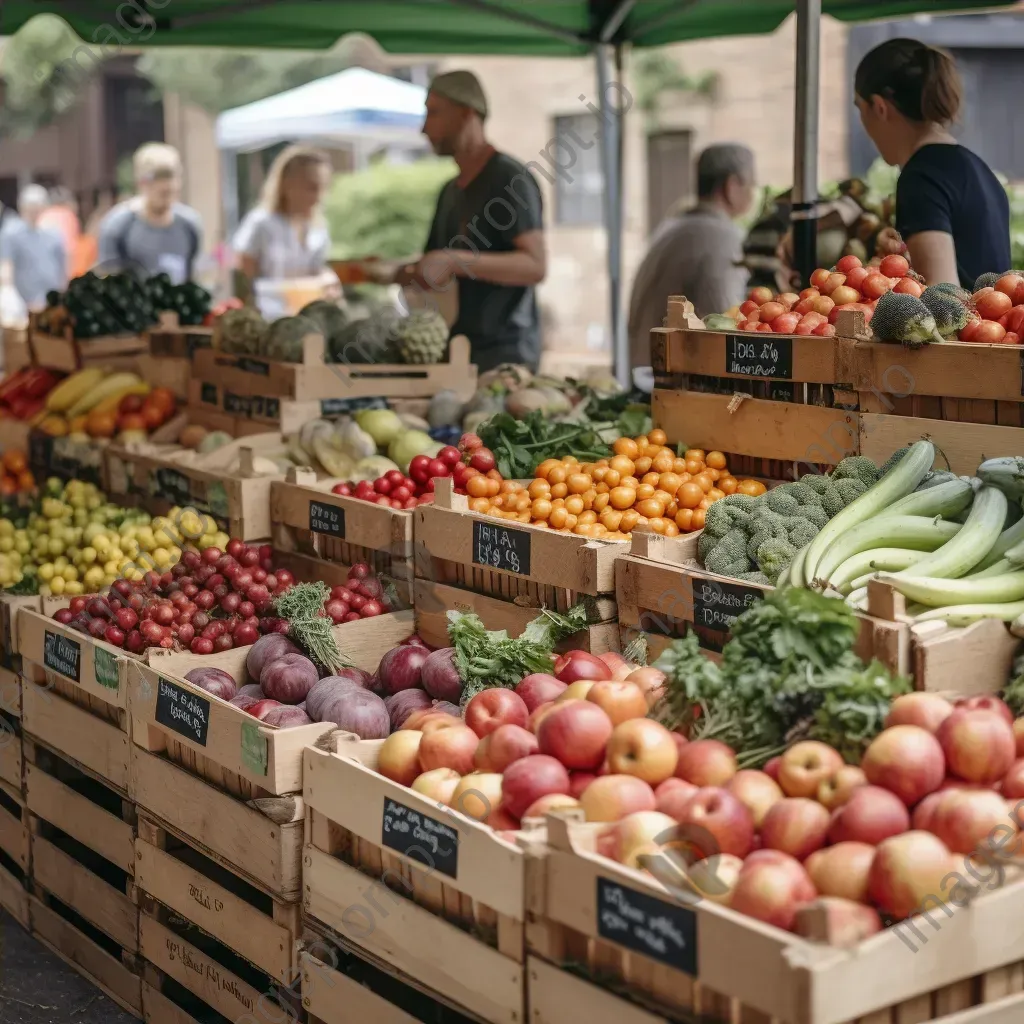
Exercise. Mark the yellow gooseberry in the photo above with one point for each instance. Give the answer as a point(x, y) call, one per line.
point(622, 465)
point(480, 504)
point(671, 509)
point(599, 473)
point(541, 508)
point(523, 517)
point(601, 502)
point(657, 524)
point(599, 530)
point(538, 488)
point(559, 490)
point(704, 482)
point(509, 486)
point(629, 519)
point(588, 497)
point(498, 501)
point(626, 446)
point(713, 473)
point(663, 463)
point(651, 478)
point(759, 488)
point(669, 482)
point(642, 441)
point(558, 518)
point(678, 465)
point(642, 465)
point(694, 466)
point(574, 504)
point(622, 497)
point(570, 522)
point(671, 530)
point(714, 494)
point(689, 494)
point(557, 474)
point(612, 477)
point(705, 502)
point(650, 507)
point(657, 436)
point(545, 467)
point(715, 460)
point(663, 496)
point(584, 529)
point(727, 484)
point(476, 486)
point(747, 487)
point(602, 488)
point(570, 460)
point(588, 517)
point(694, 453)
point(629, 481)
point(697, 523)
point(683, 518)
point(611, 519)
point(542, 523)
point(645, 491)
point(578, 483)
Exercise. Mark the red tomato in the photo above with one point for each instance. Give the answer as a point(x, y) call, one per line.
point(824, 305)
point(748, 307)
point(1008, 284)
point(875, 286)
point(439, 468)
point(908, 286)
point(819, 277)
point(894, 266)
point(760, 295)
point(764, 328)
point(814, 318)
point(848, 263)
point(1011, 338)
point(993, 304)
point(804, 327)
point(1014, 320)
point(785, 324)
point(809, 293)
point(845, 294)
point(866, 309)
point(418, 467)
point(770, 310)
point(450, 454)
point(856, 277)
point(967, 334)
point(988, 332)
point(832, 282)
point(1018, 295)
point(824, 331)
point(805, 305)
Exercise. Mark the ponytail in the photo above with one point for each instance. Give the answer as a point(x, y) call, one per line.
point(920, 81)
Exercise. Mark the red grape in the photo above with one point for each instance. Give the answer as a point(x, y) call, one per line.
point(179, 599)
point(98, 608)
point(203, 573)
point(210, 555)
point(259, 575)
point(483, 460)
point(186, 633)
point(245, 634)
point(151, 632)
point(450, 455)
point(123, 587)
point(63, 615)
point(205, 600)
point(192, 559)
point(215, 629)
point(200, 620)
point(339, 593)
point(353, 617)
point(214, 581)
point(247, 609)
point(359, 571)
point(223, 643)
point(258, 594)
point(230, 602)
point(166, 579)
point(270, 582)
point(242, 582)
point(250, 557)
point(114, 636)
point(133, 642)
point(370, 609)
point(190, 590)
point(356, 601)
point(337, 610)
point(201, 645)
point(97, 627)
point(137, 602)
point(371, 587)
point(152, 579)
point(218, 592)
point(163, 614)
point(126, 618)
point(235, 547)
point(284, 579)
point(266, 551)
point(224, 562)
point(78, 604)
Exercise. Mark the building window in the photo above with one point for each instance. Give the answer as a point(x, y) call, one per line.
point(579, 189)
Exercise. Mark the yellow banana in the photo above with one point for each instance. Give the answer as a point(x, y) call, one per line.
point(108, 386)
point(111, 402)
point(71, 390)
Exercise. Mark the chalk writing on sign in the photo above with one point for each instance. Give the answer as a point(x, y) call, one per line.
point(420, 837)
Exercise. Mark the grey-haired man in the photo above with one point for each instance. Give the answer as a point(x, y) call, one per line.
point(696, 253)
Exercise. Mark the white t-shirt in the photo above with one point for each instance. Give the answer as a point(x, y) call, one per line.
point(272, 240)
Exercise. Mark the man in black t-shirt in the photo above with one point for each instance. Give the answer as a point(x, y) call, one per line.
point(488, 231)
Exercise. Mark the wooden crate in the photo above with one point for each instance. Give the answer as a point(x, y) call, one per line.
point(15, 853)
point(454, 928)
point(66, 457)
point(217, 407)
point(306, 517)
point(68, 353)
point(169, 339)
point(219, 742)
point(178, 875)
point(775, 404)
point(161, 477)
point(662, 591)
point(456, 549)
point(700, 960)
point(10, 730)
point(10, 604)
point(260, 841)
point(314, 380)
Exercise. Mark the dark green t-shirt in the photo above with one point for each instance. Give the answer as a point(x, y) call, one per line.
point(487, 216)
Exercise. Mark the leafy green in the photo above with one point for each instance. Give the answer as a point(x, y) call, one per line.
point(788, 673)
point(303, 607)
point(520, 446)
point(486, 658)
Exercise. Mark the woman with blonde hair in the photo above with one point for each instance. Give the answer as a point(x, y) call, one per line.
point(286, 236)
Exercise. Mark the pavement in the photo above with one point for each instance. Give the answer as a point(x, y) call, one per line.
point(37, 987)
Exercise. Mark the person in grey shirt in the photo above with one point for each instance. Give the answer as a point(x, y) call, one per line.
point(152, 233)
point(697, 253)
point(34, 259)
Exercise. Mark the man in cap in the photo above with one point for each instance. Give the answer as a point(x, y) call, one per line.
point(697, 253)
point(488, 230)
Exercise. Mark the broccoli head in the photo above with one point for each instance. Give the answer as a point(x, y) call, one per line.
point(857, 467)
point(724, 514)
point(729, 556)
point(774, 555)
point(754, 577)
point(893, 459)
point(850, 490)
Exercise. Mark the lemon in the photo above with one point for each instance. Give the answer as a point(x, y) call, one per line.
point(6, 543)
point(46, 571)
point(22, 545)
point(93, 575)
point(73, 588)
point(89, 555)
point(162, 557)
point(55, 547)
point(6, 528)
point(60, 564)
point(69, 573)
point(57, 585)
point(111, 567)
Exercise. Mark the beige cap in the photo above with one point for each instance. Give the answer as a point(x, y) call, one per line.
point(462, 87)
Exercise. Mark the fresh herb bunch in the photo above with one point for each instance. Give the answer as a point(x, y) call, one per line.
point(627, 413)
point(788, 673)
point(486, 658)
point(303, 607)
point(520, 446)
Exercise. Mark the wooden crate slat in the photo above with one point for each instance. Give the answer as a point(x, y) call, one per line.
point(14, 897)
point(14, 835)
point(787, 431)
point(334, 998)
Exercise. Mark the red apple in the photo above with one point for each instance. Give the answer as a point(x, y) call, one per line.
point(907, 760)
point(969, 821)
point(493, 707)
point(620, 668)
point(715, 821)
point(838, 922)
point(772, 766)
point(805, 766)
point(842, 870)
point(987, 702)
point(477, 795)
point(398, 757)
point(637, 830)
point(538, 713)
point(908, 870)
point(927, 710)
point(452, 747)
point(576, 691)
point(619, 701)
point(506, 744)
point(706, 763)
point(924, 813)
point(642, 747)
point(537, 688)
point(612, 797)
point(528, 779)
point(437, 784)
point(979, 745)
point(651, 682)
point(715, 877)
point(550, 802)
point(580, 665)
point(577, 733)
point(869, 816)
point(501, 821)
point(578, 782)
point(1012, 786)
point(672, 795)
point(796, 825)
point(772, 890)
point(757, 790)
point(838, 788)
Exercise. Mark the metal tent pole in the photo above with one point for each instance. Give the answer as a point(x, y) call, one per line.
point(610, 135)
point(805, 157)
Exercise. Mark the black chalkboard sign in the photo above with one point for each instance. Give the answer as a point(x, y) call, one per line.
point(655, 928)
point(252, 406)
point(184, 712)
point(253, 366)
point(324, 518)
point(420, 837)
point(716, 604)
point(62, 655)
point(208, 394)
point(759, 355)
point(172, 485)
point(498, 547)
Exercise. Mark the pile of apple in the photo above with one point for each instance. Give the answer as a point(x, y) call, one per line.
point(851, 286)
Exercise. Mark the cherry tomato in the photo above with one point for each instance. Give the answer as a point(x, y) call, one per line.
point(400, 494)
point(382, 485)
point(343, 489)
point(394, 477)
point(439, 468)
point(482, 460)
point(450, 454)
point(418, 467)
point(470, 442)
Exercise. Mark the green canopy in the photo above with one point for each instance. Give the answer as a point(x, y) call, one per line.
point(540, 27)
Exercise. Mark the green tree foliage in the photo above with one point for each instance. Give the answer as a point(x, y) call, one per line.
point(385, 210)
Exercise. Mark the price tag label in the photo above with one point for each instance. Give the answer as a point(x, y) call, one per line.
point(252, 406)
point(716, 604)
point(208, 394)
point(420, 837)
point(183, 712)
point(647, 925)
point(172, 485)
point(498, 547)
point(63, 655)
point(254, 748)
point(324, 518)
point(104, 666)
point(759, 355)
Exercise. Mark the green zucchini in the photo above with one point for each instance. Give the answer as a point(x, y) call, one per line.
point(941, 593)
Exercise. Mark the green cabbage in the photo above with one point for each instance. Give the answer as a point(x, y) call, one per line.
point(382, 425)
point(404, 448)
